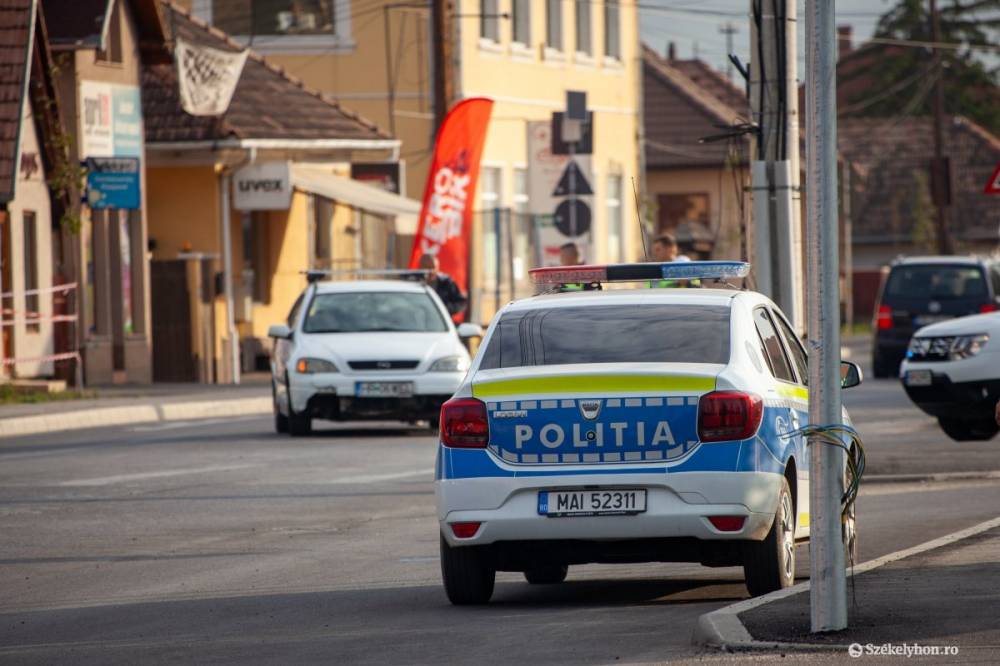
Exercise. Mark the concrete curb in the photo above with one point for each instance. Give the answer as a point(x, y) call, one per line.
point(132, 414)
point(723, 629)
point(930, 478)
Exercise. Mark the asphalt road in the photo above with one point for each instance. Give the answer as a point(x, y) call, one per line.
point(218, 541)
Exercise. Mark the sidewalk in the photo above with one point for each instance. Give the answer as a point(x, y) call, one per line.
point(118, 405)
point(944, 596)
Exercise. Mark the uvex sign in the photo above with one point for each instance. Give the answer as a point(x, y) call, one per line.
point(263, 186)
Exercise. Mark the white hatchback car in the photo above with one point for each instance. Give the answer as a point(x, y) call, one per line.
point(952, 372)
point(643, 425)
point(365, 350)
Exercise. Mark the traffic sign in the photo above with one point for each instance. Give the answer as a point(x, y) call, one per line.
point(993, 185)
point(572, 181)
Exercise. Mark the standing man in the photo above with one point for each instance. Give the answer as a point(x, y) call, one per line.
point(442, 284)
point(665, 250)
point(569, 254)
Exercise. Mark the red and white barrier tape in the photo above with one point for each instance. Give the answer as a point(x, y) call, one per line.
point(36, 320)
point(42, 359)
point(54, 289)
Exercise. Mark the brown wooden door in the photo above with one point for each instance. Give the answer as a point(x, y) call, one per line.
point(173, 358)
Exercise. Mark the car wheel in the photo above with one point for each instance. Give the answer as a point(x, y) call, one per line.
point(547, 575)
point(769, 565)
point(962, 430)
point(468, 574)
point(280, 420)
point(298, 424)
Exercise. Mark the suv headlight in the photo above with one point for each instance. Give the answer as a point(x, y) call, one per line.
point(310, 366)
point(919, 347)
point(965, 346)
point(450, 364)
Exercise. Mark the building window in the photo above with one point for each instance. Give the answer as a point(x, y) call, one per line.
point(282, 25)
point(522, 21)
point(112, 51)
point(613, 201)
point(521, 228)
point(30, 233)
point(688, 217)
point(489, 201)
point(612, 30)
point(553, 24)
point(322, 232)
point(583, 42)
point(489, 20)
point(256, 261)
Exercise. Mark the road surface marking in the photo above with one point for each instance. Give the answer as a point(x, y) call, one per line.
point(142, 476)
point(375, 478)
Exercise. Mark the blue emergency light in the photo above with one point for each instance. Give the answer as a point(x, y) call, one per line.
point(671, 270)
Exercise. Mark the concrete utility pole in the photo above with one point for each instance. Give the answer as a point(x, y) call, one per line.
point(441, 40)
point(828, 592)
point(941, 166)
point(777, 228)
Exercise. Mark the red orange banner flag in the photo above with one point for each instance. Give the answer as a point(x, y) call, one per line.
point(445, 225)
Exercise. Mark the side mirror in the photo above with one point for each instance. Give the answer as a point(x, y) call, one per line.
point(468, 330)
point(850, 374)
point(279, 331)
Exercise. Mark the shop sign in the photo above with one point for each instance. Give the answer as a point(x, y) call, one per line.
point(265, 186)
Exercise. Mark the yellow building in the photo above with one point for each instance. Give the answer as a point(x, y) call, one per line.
point(524, 54)
point(241, 205)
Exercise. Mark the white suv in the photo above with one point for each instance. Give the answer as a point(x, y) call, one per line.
point(952, 371)
point(368, 349)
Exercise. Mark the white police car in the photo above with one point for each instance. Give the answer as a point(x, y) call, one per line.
point(366, 349)
point(952, 372)
point(627, 426)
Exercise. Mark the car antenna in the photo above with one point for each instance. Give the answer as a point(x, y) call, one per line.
point(638, 219)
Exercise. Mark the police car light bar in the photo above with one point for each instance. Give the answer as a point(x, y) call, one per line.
point(671, 270)
point(401, 273)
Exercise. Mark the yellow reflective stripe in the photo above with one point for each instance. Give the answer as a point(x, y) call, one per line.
point(796, 392)
point(592, 384)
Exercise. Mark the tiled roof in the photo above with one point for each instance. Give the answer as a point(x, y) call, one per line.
point(15, 44)
point(267, 103)
point(76, 22)
point(684, 101)
point(890, 155)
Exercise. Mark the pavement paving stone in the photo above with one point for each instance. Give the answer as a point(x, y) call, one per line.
point(949, 596)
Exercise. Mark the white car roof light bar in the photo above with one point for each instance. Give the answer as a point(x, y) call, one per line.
point(671, 270)
point(400, 273)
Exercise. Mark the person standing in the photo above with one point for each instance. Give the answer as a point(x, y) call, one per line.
point(442, 284)
point(665, 250)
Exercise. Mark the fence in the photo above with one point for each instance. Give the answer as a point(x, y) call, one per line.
point(9, 317)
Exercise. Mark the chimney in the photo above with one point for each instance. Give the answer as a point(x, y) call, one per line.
point(844, 40)
point(671, 51)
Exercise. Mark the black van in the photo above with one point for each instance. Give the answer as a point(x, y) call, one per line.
point(923, 290)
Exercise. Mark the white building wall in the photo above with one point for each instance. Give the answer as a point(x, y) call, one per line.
point(31, 193)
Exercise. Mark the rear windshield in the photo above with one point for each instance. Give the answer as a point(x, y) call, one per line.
point(935, 281)
point(362, 312)
point(653, 333)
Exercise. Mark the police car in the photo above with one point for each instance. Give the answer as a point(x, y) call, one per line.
point(366, 349)
point(628, 425)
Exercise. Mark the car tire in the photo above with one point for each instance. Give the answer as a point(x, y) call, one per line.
point(547, 575)
point(468, 574)
point(299, 425)
point(280, 420)
point(964, 430)
point(769, 565)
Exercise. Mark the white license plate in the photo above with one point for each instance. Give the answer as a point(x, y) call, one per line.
point(603, 502)
point(925, 320)
point(918, 378)
point(383, 389)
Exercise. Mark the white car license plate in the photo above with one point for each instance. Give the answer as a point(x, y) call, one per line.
point(925, 320)
point(918, 378)
point(603, 502)
point(383, 389)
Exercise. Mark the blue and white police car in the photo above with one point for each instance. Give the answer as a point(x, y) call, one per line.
point(627, 425)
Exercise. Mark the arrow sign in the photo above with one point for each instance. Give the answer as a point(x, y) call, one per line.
point(993, 186)
point(582, 187)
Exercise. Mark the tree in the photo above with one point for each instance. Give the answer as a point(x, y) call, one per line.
point(972, 85)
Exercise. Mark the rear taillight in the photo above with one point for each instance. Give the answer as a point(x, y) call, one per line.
point(727, 523)
point(465, 530)
point(883, 320)
point(464, 424)
point(728, 415)
point(988, 307)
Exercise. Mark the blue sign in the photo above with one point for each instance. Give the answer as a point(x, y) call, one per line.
point(113, 182)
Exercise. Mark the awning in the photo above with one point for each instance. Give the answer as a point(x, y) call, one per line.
point(357, 194)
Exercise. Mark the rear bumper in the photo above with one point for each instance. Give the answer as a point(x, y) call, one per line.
point(333, 395)
point(678, 506)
